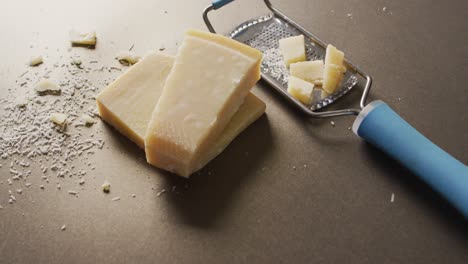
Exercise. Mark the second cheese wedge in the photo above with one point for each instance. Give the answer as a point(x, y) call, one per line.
point(210, 79)
point(128, 102)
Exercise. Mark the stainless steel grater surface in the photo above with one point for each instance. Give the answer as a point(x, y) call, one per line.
point(264, 33)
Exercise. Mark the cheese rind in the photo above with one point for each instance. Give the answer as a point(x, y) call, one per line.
point(127, 104)
point(293, 49)
point(300, 89)
point(211, 77)
point(311, 71)
point(334, 69)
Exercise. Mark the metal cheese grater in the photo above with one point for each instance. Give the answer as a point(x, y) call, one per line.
point(376, 122)
point(264, 33)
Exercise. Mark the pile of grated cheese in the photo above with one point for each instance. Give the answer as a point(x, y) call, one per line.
point(36, 151)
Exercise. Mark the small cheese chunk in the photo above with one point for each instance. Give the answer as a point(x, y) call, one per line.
point(76, 62)
point(211, 77)
point(300, 89)
point(21, 101)
point(35, 61)
point(127, 104)
point(333, 75)
point(127, 58)
point(106, 186)
point(333, 56)
point(311, 71)
point(83, 39)
point(293, 49)
point(46, 86)
point(87, 120)
point(334, 69)
point(58, 118)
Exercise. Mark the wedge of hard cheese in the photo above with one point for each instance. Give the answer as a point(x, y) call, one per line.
point(128, 102)
point(210, 79)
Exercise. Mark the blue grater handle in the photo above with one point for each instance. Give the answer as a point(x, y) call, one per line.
point(220, 3)
point(379, 125)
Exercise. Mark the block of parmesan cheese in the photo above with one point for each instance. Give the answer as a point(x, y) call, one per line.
point(210, 79)
point(334, 69)
point(128, 102)
point(311, 71)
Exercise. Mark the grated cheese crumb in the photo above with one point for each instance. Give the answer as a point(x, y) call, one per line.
point(35, 61)
point(58, 119)
point(116, 199)
point(46, 86)
point(87, 38)
point(87, 120)
point(127, 58)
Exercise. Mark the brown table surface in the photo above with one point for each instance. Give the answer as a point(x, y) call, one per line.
point(250, 204)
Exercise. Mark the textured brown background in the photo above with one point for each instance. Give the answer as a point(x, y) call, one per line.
point(250, 205)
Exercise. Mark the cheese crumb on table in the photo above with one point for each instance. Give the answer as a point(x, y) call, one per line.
point(116, 199)
point(127, 58)
point(84, 39)
point(77, 63)
point(300, 89)
point(87, 120)
point(46, 86)
point(35, 61)
point(293, 49)
point(58, 119)
point(311, 71)
point(161, 192)
point(106, 186)
point(21, 102)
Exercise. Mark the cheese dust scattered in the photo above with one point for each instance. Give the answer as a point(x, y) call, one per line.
point(48, 120)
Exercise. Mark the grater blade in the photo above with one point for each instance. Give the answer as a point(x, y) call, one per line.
point(264, 34)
